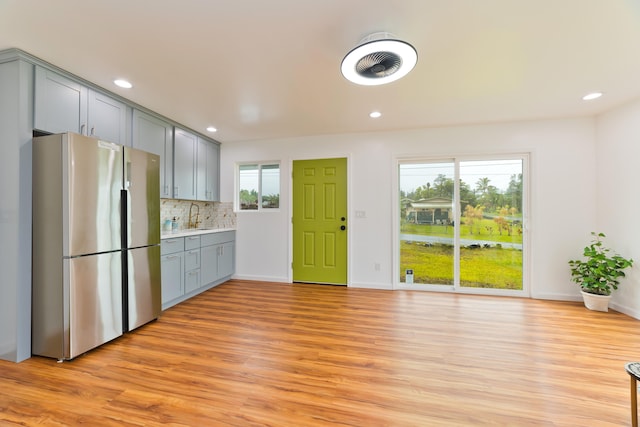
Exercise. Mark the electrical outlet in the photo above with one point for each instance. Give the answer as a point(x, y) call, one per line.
point(361, 214)
point(376, 266)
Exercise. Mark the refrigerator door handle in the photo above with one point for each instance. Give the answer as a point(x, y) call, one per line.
point(127, 177)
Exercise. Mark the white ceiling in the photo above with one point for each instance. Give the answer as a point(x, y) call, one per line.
point(262, 69)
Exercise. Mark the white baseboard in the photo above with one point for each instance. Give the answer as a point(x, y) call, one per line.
point(625, 309)
point(557, 297)
point(262, 278)
point(382, 286)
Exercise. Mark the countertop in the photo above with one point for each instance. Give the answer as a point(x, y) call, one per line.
point(192, 232)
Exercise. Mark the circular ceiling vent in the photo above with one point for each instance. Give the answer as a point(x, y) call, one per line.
point(379, 58)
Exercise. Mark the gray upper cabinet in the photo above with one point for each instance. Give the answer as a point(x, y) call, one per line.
point(60, 103)
point(64, 105)
point(154, 135)
point(185, 146)
point(107, 118)
point(190, 164)
point(208, 175)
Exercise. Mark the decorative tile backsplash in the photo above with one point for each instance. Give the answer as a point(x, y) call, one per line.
point(210, 214)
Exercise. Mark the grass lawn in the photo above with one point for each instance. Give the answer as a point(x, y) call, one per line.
point(481, 268)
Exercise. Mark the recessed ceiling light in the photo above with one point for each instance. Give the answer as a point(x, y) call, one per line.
point(591, 96)
point(123, 83)
point(380, 58)
point(375, 114)
point(211, 129)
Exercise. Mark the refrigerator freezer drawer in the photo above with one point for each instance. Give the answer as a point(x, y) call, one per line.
point(144, 285)
point(80, 309)
point(95, 301)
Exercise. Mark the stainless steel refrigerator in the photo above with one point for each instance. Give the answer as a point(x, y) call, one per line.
point(96, 243)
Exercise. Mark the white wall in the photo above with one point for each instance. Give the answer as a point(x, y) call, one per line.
point(618, 184)
point(562, 201)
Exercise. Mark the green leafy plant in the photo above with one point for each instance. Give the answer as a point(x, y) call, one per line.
point(599, 272)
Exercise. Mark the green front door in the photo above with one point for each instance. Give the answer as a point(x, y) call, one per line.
point(320, 221)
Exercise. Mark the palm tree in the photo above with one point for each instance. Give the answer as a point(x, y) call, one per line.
point(482, 185)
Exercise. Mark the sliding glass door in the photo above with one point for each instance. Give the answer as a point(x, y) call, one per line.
point(427, 223)
point(462, 224)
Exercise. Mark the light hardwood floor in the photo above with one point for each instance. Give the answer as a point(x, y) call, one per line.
point(267, 354)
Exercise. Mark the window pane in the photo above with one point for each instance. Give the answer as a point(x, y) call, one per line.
point(491, 224)
point(248, 181)
point(427, 223)
point(270, 186)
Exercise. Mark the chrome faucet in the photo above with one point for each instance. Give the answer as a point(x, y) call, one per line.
point(194, 224)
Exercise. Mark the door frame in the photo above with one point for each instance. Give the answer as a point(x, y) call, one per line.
point(290, 212)
point(527, 223)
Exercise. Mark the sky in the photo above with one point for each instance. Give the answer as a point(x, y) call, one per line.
point(270, 179)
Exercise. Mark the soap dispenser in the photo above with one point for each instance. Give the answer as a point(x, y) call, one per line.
point(174, 224)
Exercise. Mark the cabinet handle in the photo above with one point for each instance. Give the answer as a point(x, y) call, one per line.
point(82, 126)
point(193, 252)
point(175, 191)
point(172, 256)
point(93, 128)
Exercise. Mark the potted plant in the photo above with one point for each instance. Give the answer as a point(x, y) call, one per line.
point(598, 274)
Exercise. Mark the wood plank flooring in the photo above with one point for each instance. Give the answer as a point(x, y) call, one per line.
point(269, 354)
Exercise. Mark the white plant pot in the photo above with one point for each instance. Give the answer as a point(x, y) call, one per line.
point(596, 302)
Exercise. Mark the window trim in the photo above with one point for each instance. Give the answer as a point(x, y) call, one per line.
point(259, 165)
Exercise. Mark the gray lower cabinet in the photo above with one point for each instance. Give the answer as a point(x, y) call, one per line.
point(172, 266)
point(218, 256)
point(193, 264)
point(209, 268)
point(226, 259)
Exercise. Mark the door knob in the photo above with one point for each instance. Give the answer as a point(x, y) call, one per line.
point(342, 227)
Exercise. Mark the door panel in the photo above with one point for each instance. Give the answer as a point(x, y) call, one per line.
point(491, 255)
point(93, 195)
point(142, 182)
point(144, 285)
point(319, 221)
point(95, 301)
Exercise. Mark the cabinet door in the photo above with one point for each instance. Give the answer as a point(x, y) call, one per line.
point(184, 165)
point(172, 276)
point(107, 118)
point(208, 170)
point(209, 264)
point(156, 136)
point(226, 259)
point(60, 103)
point(191, 280)
point(213, 172)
